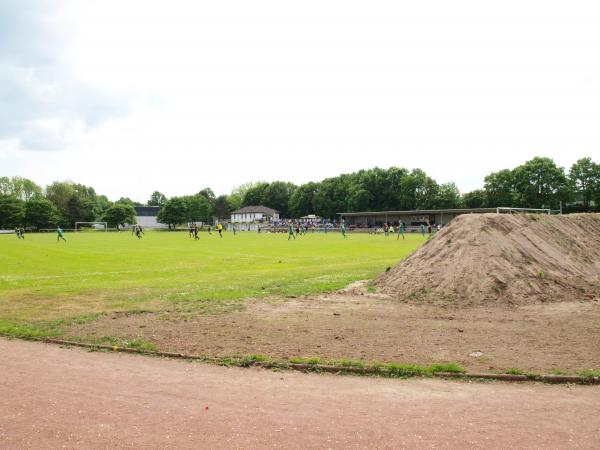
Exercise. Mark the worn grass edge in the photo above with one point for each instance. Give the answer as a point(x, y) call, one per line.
point(391, 370)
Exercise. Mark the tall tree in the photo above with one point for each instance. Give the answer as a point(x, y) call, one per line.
point(119, 214)
point(585, 177)
point(157, 199)
point(448, 196)
point(499, 188)
point(475, 199)
point(174, 212)
point(540, 183)
point(197, 208)
point(41, 213)
point(301, 201)
point(222, 208)
point(12, 211)
point(19, 187)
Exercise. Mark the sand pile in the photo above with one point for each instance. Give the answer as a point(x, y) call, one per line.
point(503, 258)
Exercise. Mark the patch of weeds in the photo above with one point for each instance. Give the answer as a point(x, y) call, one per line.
point(449, 367)
point(559, 372)
point(449, 242)
point(371, 289)
point(29, 331)
point(514, 371)
point(377, 365)
point(388, 268)
point(541, 275)
point(590, 373)
point(348, 363)
point(300, 360)
point(408, 370)
point(41, 329)
point(137, 344)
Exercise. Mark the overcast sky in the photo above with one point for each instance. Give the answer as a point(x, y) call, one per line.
point(135, 96)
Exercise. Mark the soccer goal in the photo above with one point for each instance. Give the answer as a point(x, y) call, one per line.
point(95, 226)
point(507, 210)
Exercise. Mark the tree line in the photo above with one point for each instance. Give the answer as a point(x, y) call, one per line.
point(538, 183)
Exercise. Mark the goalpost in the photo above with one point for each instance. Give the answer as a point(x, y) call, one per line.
point(508, 210)
point(95, 225)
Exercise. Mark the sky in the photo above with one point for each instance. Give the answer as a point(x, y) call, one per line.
point(135, 96)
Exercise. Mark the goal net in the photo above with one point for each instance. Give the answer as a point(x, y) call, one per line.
point(92, 226)
point(507, 210)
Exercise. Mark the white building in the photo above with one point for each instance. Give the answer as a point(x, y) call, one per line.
point(253, 214)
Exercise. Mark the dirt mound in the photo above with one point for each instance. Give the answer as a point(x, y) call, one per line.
point(503, 258)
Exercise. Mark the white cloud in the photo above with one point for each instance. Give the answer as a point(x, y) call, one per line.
point(188, 94)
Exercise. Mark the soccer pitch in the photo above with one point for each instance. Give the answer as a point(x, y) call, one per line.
point(42, 281)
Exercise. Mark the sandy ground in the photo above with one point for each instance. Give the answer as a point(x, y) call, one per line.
point(539, 338)
point(53, 397)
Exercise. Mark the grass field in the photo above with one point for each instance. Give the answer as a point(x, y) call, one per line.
point(44, 283)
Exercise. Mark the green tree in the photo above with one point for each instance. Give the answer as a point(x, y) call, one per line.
point(19, 187)
point(448, 196)
point(585, 177)
point(475, 199)
point(128, 201)
point(12, 211)
point(103, 204)
point(59, 193)
point(301, 201)
point(236, 197)
point(222, 208)
point(277, 195)
point(419, 191)
point(174, 212)
point(119, 214)
point(254, 195)
point(499, 188)
point(197, 208)
point(540, 183)
point(41, 213)
point(157, 199)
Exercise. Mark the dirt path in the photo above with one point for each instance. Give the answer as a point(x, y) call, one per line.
point(52, 397)
point(542, 338)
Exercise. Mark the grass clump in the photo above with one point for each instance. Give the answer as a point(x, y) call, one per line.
point(301, 360)
point(348, 363)
point(136, 344)
point(515, 371)
point(590, 373)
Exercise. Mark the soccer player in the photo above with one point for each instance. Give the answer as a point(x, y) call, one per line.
point(233, 228)
point(196, 237)
point(191, 229)
point(400, 230)
point(18, 232)
point(139, 231)
point(422, 230)
point(22, 232)
point(220, 230)
point(291, 231)
point(59, 234)
point(343, 230)
point(209, 229)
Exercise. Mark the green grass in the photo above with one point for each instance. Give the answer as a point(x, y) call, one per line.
point(45, 284)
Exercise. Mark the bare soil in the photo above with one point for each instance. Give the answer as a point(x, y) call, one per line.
point(54, 398)
point(538, 338)
point(503, 259)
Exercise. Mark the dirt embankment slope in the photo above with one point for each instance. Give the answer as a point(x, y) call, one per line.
point(502, 258)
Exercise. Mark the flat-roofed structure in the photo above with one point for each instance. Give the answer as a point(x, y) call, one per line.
point(370, 219)
point(146, 216)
